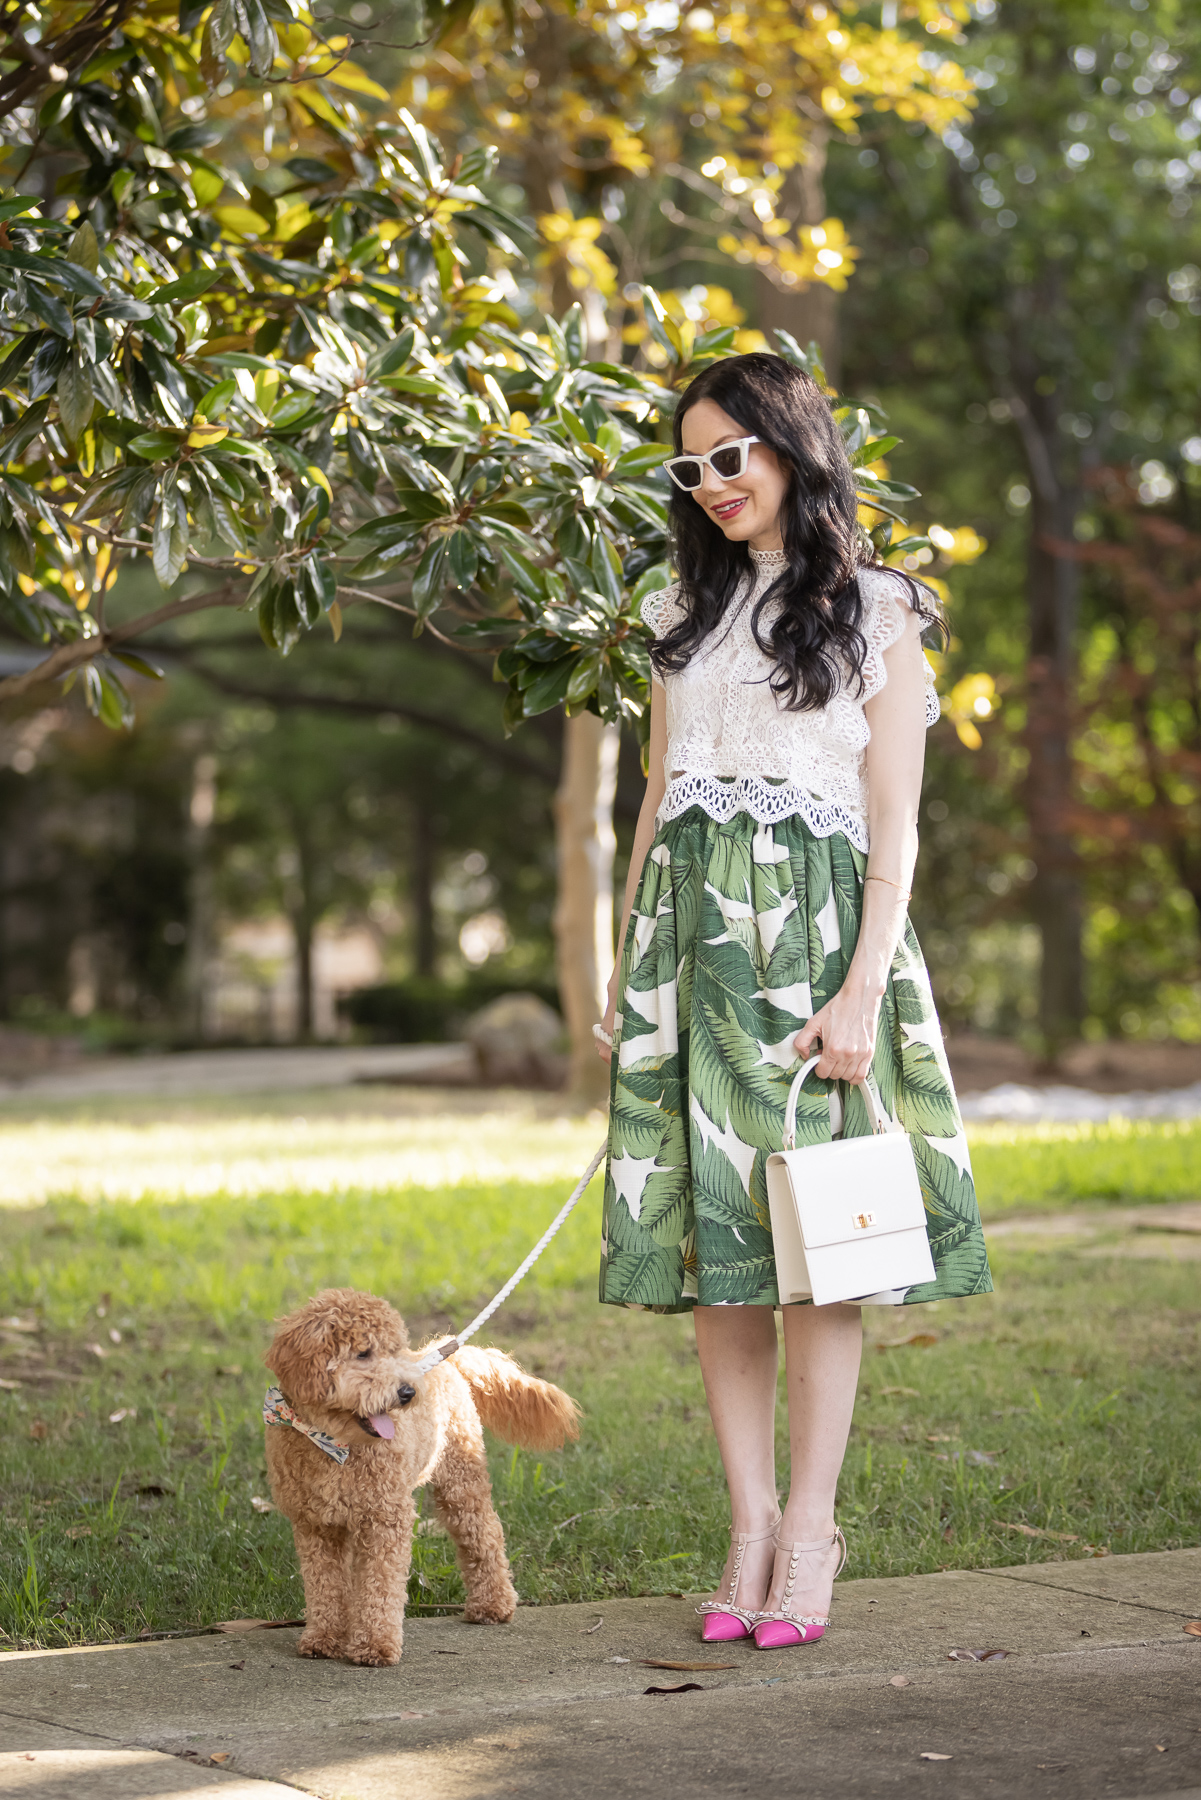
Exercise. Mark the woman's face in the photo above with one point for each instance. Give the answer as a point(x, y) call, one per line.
point(746, 509)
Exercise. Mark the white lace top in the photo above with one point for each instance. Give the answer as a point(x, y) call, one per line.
point(731, 746)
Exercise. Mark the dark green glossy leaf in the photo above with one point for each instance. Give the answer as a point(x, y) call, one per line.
point(75, 395)
point(188, 287)
point(464, 559)
point(427, 578)
point(632, 463)
point(49, 309)
point(156, 445)
point(550, 688)
point(139, 664)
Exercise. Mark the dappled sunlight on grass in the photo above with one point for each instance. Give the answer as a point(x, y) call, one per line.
point(356, 1142)
point(1031, 1168)
point(245, 1153)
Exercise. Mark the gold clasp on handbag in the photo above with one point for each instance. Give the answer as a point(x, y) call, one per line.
point(861, 1221)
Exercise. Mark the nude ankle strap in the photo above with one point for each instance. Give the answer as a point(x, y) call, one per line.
point(795, 1550)
point(755, 1537)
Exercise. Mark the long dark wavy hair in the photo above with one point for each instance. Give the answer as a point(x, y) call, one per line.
point(812, 634)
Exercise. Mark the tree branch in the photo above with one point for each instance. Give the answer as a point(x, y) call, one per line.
point(299, 700)
point(83, 650)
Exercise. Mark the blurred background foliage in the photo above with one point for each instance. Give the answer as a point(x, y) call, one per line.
point(984, 214)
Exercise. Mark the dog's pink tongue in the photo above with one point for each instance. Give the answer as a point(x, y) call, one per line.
point(383, 1425)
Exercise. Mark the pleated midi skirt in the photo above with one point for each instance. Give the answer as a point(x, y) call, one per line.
point(740, 932)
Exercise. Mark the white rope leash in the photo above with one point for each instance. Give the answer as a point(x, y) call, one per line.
point(433, 1357)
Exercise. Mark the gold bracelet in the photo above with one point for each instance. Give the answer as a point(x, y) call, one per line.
point(907, 892)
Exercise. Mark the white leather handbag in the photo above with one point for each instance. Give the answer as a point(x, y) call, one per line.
point(847, 1217)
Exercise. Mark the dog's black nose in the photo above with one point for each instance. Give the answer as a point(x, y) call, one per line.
point(405, 1393)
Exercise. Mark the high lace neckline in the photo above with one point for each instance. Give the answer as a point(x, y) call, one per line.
point(768, 559)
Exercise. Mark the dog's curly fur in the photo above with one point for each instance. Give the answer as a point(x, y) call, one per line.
point(344, 1357)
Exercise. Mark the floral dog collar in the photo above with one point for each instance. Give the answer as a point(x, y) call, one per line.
point(276, 1411)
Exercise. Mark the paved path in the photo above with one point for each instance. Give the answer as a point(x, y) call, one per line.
point(270, 1070)
point(1098, 1697)
point(242, 1071)
point(1062, 1105)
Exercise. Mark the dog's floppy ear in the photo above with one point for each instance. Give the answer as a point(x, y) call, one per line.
point(300, 1353)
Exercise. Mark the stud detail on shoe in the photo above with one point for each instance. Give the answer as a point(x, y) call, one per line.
point(785, 1630)
point(724, 1619)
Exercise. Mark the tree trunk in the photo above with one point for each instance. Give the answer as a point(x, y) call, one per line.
point(302, 928)
point(809, 312)
point(1056, 898)
point(305, 915)
point(584, 910)
point(421, 894)
point(201, 811)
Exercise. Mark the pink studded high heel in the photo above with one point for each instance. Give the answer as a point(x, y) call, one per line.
point(725, 1620)
point(784, 1630)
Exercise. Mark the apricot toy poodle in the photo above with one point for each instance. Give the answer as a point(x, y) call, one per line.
point(354, 1428)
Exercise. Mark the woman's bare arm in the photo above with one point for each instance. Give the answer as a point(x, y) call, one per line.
point(644, 837)
point(895, 757)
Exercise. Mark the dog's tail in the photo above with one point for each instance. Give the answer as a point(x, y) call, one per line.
point(516, 1406)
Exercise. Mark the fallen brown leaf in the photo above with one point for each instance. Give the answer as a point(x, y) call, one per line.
point(649, 1662)
point(1194, 1627)
point(229, 1368)
point(39, 1430)
point(978, 1655)
point(221, 1757)
point(920, 1340)
point(95, 1350)
point(260, 1505)
point(79, 1531)
point(933, 1756)
point(1036, 1531)
point(122, 1412)
point(900, 1393)
point(685, 1687)
point(898, 1681)
point(239, 1665)
point(10, 1387)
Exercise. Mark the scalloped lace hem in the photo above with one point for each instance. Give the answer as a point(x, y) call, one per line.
point(766, 800)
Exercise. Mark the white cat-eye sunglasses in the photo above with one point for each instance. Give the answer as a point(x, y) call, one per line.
point(728, 462)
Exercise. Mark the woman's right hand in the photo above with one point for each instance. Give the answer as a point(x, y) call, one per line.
point(603, 1050)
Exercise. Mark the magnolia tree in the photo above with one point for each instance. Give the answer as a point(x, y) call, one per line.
point(294, 403)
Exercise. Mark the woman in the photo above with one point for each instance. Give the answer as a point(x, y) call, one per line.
point(765, 915)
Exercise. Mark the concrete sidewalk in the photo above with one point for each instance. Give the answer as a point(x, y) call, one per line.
point(189, 1072)
point(1098, 1697)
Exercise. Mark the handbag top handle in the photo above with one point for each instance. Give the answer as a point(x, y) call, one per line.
point(879, 1123)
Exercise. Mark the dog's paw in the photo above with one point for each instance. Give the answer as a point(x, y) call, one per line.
point(320, 1644)
point(479, 1612)
point(378, 1653)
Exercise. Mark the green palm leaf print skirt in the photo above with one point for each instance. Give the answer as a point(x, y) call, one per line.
point(740, 931)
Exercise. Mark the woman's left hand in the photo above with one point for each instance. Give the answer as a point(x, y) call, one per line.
point(846, 1026)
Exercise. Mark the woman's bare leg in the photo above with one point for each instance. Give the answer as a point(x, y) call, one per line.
point(738, 1356)
point(822, 1347)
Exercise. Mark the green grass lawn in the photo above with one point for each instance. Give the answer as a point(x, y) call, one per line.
point(1069, 1401)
